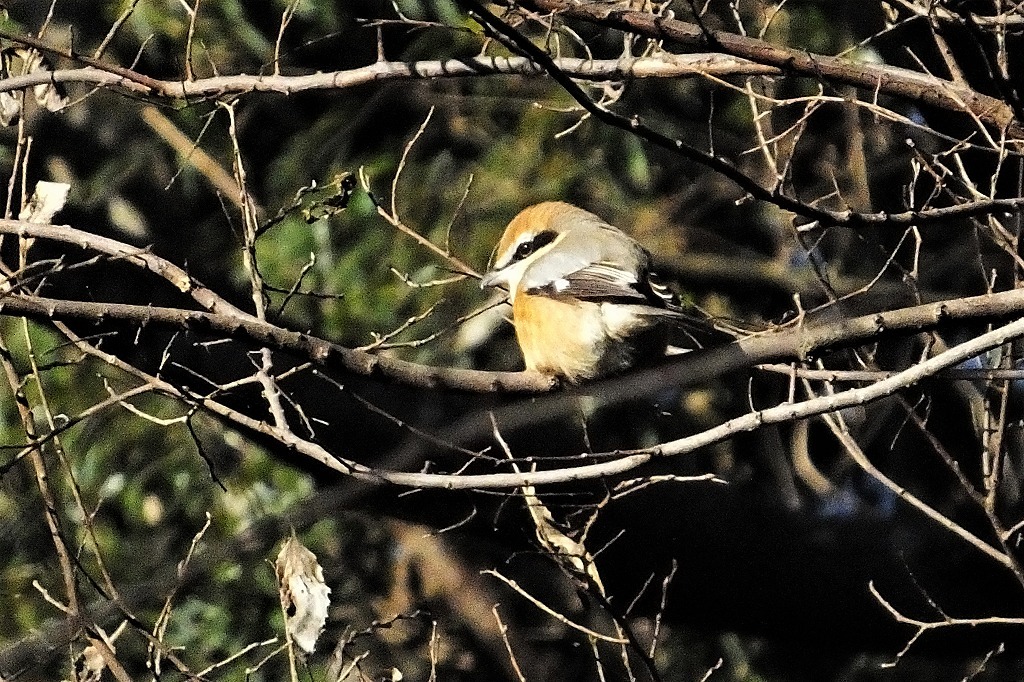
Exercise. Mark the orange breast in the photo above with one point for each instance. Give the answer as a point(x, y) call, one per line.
point(572, 339)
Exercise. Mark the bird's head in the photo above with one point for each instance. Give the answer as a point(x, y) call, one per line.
point(533, 234)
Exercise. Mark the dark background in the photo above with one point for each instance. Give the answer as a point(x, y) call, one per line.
point(773, 573)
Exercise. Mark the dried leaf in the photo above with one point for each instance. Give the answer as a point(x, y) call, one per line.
point(304, 595)
point(574, 555)
point(22, 61)
point(89, 665)
point(48, 95)
point(47, 199)
point(10, 108)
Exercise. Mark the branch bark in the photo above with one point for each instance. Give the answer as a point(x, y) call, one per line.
point(793, 342)
point(880, 78)
point(744, 56)
point(664, 65)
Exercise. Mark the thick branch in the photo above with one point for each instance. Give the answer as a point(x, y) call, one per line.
point(625, 461)
point(140, 257)
point(661, 66)
point(880, 78)
point(795, 341)
point(821, 216)
point(747, 57)
point(248, 328)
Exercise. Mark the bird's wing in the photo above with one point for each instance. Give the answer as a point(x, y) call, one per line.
point(565, 276)
point(647, 297)
point(595, 282)
point(590, 269)
point(601, 282)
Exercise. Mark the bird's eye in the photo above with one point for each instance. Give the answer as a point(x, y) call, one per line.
point(529, 247)
point(523, 250)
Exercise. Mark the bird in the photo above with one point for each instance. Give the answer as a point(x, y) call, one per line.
point(585, 303)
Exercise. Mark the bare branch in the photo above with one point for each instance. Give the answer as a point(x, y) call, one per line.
point(889, 80)
point(924, 626)
point(555, 614)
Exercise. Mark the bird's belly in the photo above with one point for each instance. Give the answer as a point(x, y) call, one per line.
point(581, 341)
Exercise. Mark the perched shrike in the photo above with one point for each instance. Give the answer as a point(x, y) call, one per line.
point(584, 303)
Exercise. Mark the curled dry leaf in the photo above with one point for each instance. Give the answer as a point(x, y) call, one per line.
point(304, 595)
point(571, 553)
point(89, 665)
point(46, 201)
point(21, 61)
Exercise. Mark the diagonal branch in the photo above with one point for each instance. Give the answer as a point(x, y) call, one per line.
point(791, 342)
point(821, 216)
point(889, 80)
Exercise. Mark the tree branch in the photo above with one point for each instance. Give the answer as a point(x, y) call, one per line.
point(791, 342)
point(884, 79)
point(664, 65)
point(822, 217)
point(747, 57)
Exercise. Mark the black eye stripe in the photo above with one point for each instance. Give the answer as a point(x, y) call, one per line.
point(543, 239)
point(530, 246)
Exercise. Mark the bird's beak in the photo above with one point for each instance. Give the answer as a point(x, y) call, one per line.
point(492, 279)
